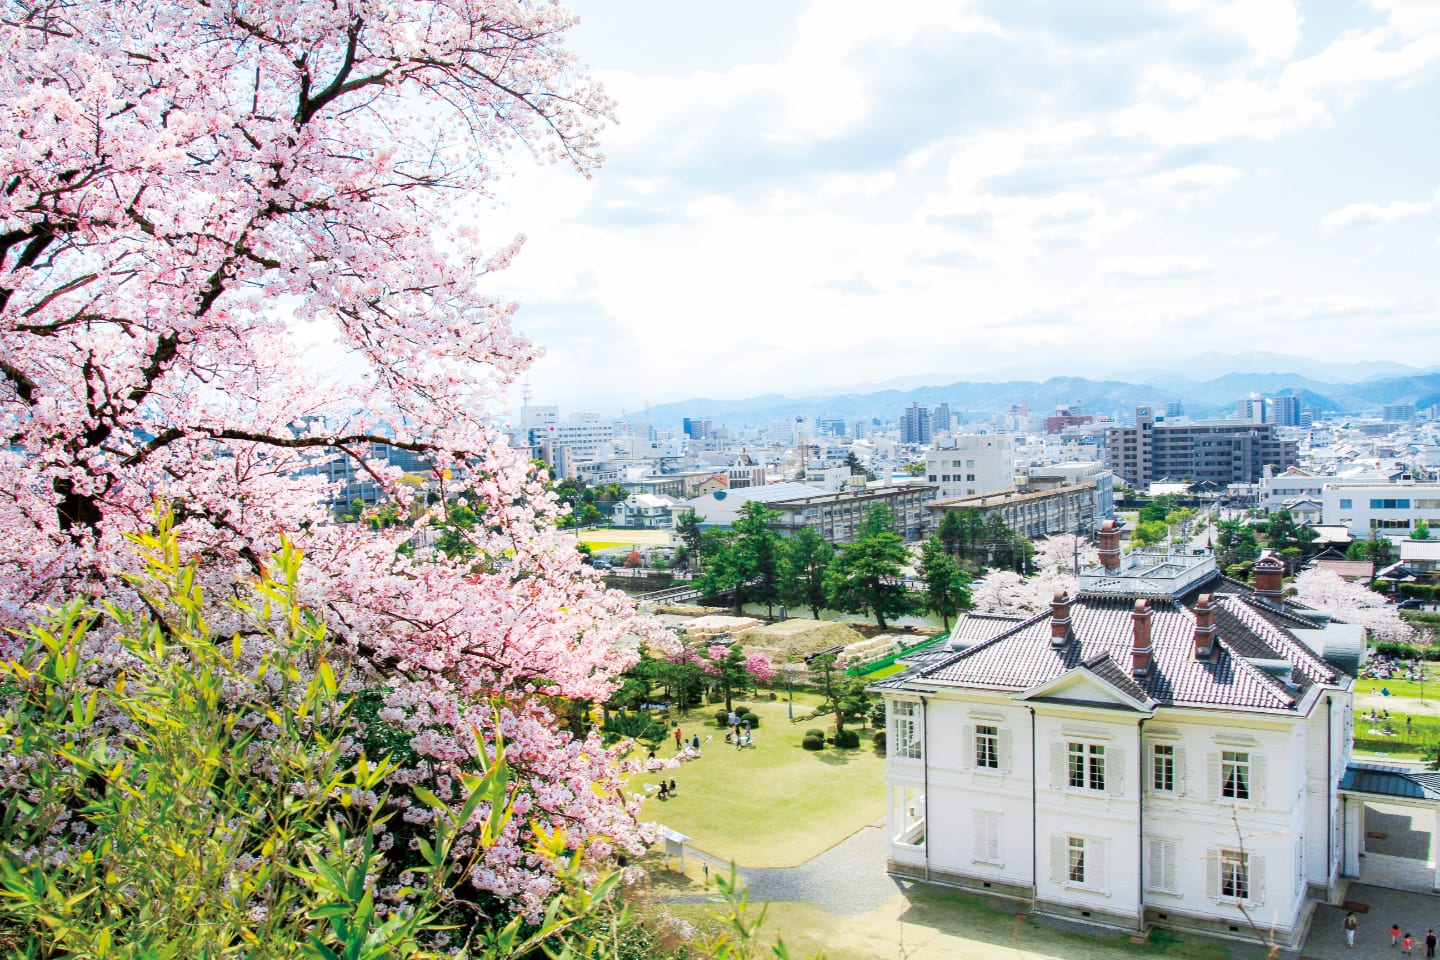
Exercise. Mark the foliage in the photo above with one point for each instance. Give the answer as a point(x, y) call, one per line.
point(813, 743)
point(116, 842)
point(1421, 530)
point(947, 587)
point(743, 560)
point(181, 180)
point(633, 560)
point(1235, 543)
point(750, 718)
point(879, 740)
point(687, 528)
point(914, 469)
point(848, 739)
point(1376, 548)
point(1286, 537)
point(729, 667)
point(804, 558)
point(1149, 532)
point(865, 575)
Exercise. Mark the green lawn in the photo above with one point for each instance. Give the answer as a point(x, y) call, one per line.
point(774, 804)
point(1424, 730)
point(1401, 688)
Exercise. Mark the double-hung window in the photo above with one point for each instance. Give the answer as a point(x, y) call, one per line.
point(1075, 867)
point(1235, 775)
point(987, 747)
point(1163, 769)
point(1234, 875)
point(906, 719)
point(1086, 766)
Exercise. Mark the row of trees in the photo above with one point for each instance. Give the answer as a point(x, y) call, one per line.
point(754, 564)
point(978, 541)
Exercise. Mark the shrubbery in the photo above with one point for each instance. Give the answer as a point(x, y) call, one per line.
point(879, 740)
point(813, 743)
point(722, 718)
point(847, 738)
point(751, 719)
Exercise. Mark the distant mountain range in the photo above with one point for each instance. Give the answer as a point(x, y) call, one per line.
point(1328, 387)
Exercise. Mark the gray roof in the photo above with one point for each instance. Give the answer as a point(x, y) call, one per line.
point(1103, 638)
point(1387, 781)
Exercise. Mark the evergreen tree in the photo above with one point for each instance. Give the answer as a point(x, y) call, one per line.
point(803, 562)
point(947, 587)
point(866, 575)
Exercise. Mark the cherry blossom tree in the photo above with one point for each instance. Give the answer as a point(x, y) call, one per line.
point(184, 184)
point(1330, 593)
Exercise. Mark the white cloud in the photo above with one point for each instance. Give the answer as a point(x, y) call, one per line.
point(1373, 214)
point(1157, 268)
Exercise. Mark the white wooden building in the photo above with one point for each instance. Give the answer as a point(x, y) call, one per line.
point(1163, 748)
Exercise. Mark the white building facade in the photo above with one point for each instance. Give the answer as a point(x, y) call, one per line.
point(1148, 753)
point(1391, 509)
point(968, 464)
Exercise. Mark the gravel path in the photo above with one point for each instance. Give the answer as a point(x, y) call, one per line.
point(848, 879)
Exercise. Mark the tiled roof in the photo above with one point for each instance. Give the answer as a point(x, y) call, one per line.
point(1023, 658)
point(1115, 675)
point(976, 628)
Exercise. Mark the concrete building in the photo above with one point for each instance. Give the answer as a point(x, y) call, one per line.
point(645, 510)
point(915, 425)
point(836, 516)
point(1162, 749)
point(967, 464)
point(1222, 452)
point(1390, 509)
point(1071, 473)
point(1041, 513)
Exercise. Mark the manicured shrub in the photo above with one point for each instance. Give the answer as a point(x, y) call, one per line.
point(741, 709)
point(722, 717)
point(879, 740)
point(815, 732)
point(847, 738)
point(751, 719)
point(813, 743)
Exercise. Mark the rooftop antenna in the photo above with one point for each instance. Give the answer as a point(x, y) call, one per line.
point(525, 392)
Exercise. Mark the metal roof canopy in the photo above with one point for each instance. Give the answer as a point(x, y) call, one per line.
point(1403, 785)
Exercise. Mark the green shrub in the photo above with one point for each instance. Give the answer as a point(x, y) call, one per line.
point(847, 738)
point(813, 743)
point(879, 740)
point(741, 709)
point(815, 732)
point(722, 718)
point(752, 719)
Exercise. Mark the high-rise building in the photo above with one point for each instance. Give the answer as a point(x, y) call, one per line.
point(1398, 412)
point(915, 425)
point(1283, 411)
point(1221, 451)
point(940, 419)
point(696, 429)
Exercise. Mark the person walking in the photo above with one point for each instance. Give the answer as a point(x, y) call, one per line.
point(1350, 924)
point(1430, 945)
point(1394, 934)
point(679, 738)
point(1407, 946)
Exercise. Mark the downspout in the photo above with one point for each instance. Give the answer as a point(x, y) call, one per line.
point(1140, 806)
point(1329, 793)
point(1034, 819)
point(925, 767)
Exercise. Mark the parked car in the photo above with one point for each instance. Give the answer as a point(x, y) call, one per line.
point(1411, 603)
point(600, 563)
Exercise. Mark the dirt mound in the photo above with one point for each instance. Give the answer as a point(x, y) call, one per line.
point(712, 625)
point(797, 637)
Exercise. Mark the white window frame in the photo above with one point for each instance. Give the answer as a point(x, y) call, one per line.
point(1085, 765)
point(1235, 876)
point(1236, 782)
point(1075, 861)
point(906, 732)
point(1162, 758)
point(987, 746)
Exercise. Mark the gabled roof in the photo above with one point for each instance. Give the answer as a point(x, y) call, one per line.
point(1023, 660)
point(1100, 671)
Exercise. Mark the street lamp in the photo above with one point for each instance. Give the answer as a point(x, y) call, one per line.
point(789, 695)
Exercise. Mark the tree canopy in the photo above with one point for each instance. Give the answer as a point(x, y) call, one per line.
point(865, 576)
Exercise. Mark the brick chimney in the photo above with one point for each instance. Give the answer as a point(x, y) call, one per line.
point(1060, 631)
point(1270, 579)
point(1110, 545)
point(1140, 654)
point(1204, 628)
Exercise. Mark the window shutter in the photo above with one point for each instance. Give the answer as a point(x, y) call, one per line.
point(1006, 750)
point(979, 839)
point(1170, 849)
point(1256, 867)
point(1257, 779)
point(1059, 862)
point(1212, 874)
point(1114, 771)
point(1212, 774)
point(1095, 865)
point(1154, 864)
point(1180, 770)
point(992, 836)
point(967, 748)
point(1058, 778)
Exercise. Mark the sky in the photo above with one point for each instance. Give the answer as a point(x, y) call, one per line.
point(813, 197)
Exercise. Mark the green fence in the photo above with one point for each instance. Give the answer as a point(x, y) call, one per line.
point(868, 668)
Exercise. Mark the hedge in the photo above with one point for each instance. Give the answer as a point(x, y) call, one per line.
point(813, 743)
point(847, 738)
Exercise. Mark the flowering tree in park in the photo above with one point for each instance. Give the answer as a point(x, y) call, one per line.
point(731, 667)
point(182, 184)
point(1330, 593)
